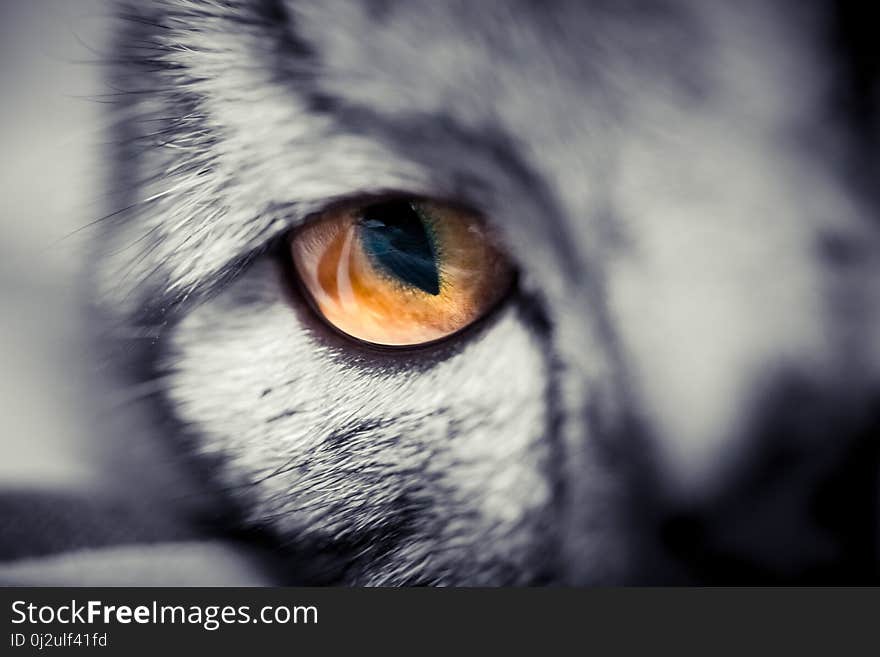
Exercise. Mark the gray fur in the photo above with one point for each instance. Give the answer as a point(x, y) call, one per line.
point(660, 172)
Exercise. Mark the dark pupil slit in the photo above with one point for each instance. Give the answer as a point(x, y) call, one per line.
point(396, 240)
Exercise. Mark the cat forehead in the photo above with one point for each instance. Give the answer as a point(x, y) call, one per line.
point(583, 93)
point(523, 97)
point(533, 66)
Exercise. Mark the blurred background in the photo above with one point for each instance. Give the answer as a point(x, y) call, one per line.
point(51, 119)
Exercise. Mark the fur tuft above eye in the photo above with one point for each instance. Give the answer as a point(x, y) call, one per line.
point(400, 271)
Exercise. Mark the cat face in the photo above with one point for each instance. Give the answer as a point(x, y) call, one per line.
point(694, 315)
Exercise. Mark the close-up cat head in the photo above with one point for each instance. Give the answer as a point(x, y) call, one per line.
point(496, 293)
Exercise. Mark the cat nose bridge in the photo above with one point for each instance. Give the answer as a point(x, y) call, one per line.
point(756, 440)
point(790, 492)
point(801, 504)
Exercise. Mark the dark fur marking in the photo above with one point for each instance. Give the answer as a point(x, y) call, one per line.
point(288, 413)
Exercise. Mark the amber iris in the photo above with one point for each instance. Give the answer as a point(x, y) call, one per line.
point(400, 271)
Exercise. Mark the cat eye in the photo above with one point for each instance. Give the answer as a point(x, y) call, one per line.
point(400, 271)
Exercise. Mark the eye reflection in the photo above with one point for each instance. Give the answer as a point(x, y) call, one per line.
point(402, 271)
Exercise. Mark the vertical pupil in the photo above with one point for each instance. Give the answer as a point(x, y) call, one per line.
point(396, 240)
